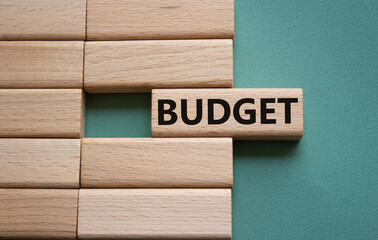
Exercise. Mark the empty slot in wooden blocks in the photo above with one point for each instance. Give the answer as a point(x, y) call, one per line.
point(38, 213)
point(42, 19)
point(39, 163)
point(256, 114)
point(151, 19)
point(42, 113)
point(41, 64)
point(146, 162)
point(139, 66)
point(155, 213)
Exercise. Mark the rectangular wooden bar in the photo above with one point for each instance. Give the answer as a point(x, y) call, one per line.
point(39, 163)
point(254, 114)
point(38, 213)
point(56, 113)
point(155, 214)
point(139, 66)
point(41, 64)
point(42, 19)
point(157, 19)
point(147, 162)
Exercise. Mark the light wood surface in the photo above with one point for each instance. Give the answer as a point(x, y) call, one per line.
point(139, 66)
point(40, 163)
point(156, 19)
point(147, 162)
point(41, 64)
point(42, 19)
point(42, 113)
point(155, 213)
point(38, 213)
point(280, 130)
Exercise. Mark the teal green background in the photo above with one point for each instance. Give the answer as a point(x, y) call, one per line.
point(326, 185)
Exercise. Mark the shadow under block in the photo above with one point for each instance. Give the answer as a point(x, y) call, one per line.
point(250, 114)
point(159, 19)
point(139, 66)
point(155, 213)
point(42, 113)
point(39, 163)
point(38, 213)
point(147, 162)
point(42, 19)
point(41, 64)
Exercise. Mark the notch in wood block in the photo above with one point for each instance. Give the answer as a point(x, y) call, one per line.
point(146, 162)
point(157, 19)
point(155, 213)
point(41, 64)
point(42, 19)
point(38, 213)
point(56, 113)
point(41, 163)
point(255, 114)
point(139, 66)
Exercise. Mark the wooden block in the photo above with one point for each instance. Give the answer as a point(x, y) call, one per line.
point(155, 213)
point(41, 64)
point(42, 113)
point(157, 19)
point(254, 114)
point(139, 66)
point(42, 163)
point(146, 162)
point(38, 213)
point(42, 19)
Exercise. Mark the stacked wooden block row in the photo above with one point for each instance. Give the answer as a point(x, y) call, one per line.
point(54, 183)
point(170, 181)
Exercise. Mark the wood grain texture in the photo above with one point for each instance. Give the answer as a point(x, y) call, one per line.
point(139, 66)
point(281, 130)
point(146, 162)
point(41, 64)
point(38, 213)
point(41, 163)
point(42, 113)
point(155, 213)
point(154, 19)
point(42, 19)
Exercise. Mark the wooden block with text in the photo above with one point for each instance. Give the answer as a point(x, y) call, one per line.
point(41, 64)
point(39, 163)
point(159, 19)
point(55, 113)
point(139, 66)
point(250, 114)
point(155, 214)
point(38, 213)
point(148, 162)
point(42, 19)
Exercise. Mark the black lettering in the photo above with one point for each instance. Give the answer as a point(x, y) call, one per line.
point(265, 111)
point(169, 111)
point(252, 113)
point(184, 112)
point(288, 102)
point(210, 107)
